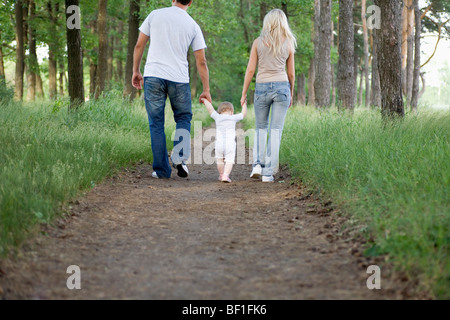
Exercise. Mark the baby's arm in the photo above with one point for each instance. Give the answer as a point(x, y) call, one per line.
point(208, 106)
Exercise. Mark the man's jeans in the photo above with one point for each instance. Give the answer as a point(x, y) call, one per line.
point(156, 92)
point(270, 98)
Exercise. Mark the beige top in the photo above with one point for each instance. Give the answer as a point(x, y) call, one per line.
point(272, 68)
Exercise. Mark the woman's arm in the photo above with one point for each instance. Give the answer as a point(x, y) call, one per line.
point(291, 73)
point(251, 68)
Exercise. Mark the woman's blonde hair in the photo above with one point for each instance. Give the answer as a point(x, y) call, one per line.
point(276, 31)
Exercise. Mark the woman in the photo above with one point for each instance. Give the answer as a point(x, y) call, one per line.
point(272, 52)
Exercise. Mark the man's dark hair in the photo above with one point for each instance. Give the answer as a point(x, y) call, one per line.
point(184, 2)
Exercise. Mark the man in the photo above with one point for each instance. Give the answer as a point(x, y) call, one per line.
point(171, 32)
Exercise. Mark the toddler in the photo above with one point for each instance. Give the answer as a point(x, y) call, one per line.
point(225, 136)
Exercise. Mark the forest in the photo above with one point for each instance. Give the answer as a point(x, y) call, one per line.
point(360, 131)
point(108, 31)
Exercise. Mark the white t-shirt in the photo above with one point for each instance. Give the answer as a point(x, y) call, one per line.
point(226, 125)
point(172, 31)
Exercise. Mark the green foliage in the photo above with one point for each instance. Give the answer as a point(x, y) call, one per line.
point(49, 155)
point(393, 180)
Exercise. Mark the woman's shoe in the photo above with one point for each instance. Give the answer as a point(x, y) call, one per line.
point(268, 179)
point(256, 172)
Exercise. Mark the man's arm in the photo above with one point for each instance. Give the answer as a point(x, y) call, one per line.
point(137, 78)
point(202, 67)
point(208, 105)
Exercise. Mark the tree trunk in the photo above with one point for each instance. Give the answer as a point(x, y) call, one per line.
point(390, 59)
point(366, 51)
point(62, 74)
point(119, 62)
point(416, 80)
point(39, 87)
point(133, 34)
point(32, 58)
point(361, 82)
point(410, 53)
point(375, 92)
point(311, 80)
point(111, 48)
point(346, 64)
point(322, 84)
point(75, 62)
point(52, 66)
point(102, 48)
point(301, 93)
point(2, 66)
point(92, 77)
point(20, 51)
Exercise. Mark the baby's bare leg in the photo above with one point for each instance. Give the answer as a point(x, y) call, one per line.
point(220, 166)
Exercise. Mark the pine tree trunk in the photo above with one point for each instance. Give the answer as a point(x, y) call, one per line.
point(32, 58)
point(119, 62)
point(311, 79)
point(416, 80)
point(39, 87)
point(20, 51)
point(301, 93)
point(322, 84)
point(62, 74)
point(52, 66)
point(366, 51)
point(410, 53)
point(75, 62)
point(375, 92)
point(390, 59)
point(346, 72)
point(133, 34)
point(102, 48)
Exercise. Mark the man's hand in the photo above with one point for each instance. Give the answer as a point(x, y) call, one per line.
point(137, 80)
point(205, 95)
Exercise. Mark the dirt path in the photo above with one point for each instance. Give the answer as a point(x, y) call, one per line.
point(135, 237)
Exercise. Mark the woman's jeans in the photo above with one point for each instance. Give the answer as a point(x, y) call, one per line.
point(156, 92)
point(272, 98)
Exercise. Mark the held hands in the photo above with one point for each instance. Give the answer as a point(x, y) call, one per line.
point(205, 96)
point(243, 100)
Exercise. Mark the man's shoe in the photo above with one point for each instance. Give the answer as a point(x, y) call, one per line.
point(268, 179)
point(256, 172)
point(183, 171)
point(155, 175)
point(226, 179)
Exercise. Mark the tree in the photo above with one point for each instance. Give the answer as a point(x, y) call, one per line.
point(375, 92)
point(102, 48)
point(33, 66)
point(346, 72)
point(133, 34)
point(75, 60)
point(20, 51)
point(366, 51)
point(416, 78)
point(322, 83)
point(389, 58)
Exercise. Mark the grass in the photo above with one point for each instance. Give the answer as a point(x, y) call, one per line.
point(395, 180)
point(49, 156)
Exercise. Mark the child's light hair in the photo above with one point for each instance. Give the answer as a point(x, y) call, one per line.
point(276, 30)
point(224, 107)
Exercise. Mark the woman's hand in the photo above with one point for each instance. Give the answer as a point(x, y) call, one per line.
point(243, 100)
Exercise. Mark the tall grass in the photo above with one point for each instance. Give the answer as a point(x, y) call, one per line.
point(49, 155)
point(395, 179)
